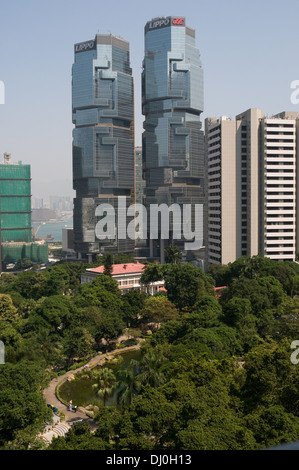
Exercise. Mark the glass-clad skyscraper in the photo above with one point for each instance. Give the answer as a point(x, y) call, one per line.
point(103, 138)
point(172, 101)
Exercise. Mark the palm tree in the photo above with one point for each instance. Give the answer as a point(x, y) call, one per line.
point(128, 388)
point(173, 254)
point(149, 369)
point(105, 383)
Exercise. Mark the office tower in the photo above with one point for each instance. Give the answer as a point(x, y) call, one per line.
point(248, 148)
point(172, 101)
point(103, 138)
point(278, 191)
point(263, 163)
point(15, 211)
point(221, 197)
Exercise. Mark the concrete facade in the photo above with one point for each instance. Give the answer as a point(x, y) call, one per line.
point(220, 229)
point(252, 174)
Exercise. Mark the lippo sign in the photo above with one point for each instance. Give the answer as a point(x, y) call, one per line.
point(85, 46)
point(163, 22)
point(143, 223)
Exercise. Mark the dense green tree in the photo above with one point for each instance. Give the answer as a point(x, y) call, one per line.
point(169, 332)
point(22, 404)
point(79, 438)
point(263, 293)
point(111, 326)
point(102, 292)
point(287, 319)
point(8, 311)
point(23, 263)
point(31, 285)
point(268, 368)
point(153, 272)
point(6, 280)
point(219, 341)
point(9, 334)
point(186, 285)
point(108, 264)
point(219, 372)
point(147, 421)
point(158, 309)
point(272, 426)
point(206, 313)
point(78, 344)
point(54, 313)
point(107, 419)
point(64, 277)
point(132, 304)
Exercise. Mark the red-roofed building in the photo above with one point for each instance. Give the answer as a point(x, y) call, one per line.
point(218, 291)
point(127, 276)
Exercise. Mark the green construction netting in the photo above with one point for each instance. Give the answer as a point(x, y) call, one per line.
point(12, 252)
point(15, 171)
point(15, 204)
point(15, 187)
point(15, 235)
point(20, 220)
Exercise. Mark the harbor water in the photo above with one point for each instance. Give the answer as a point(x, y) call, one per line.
point(44, 229)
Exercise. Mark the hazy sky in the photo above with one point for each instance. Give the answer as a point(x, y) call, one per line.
point(249, 51)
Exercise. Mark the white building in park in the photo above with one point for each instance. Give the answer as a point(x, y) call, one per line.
point(127, 276)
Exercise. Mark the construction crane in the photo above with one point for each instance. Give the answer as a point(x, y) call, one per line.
point(34, 232)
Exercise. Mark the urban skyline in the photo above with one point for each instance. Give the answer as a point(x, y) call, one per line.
point(239, 74)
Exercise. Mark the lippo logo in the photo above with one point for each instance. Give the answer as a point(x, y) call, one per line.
point(84, 46)
point(2, 93)
point(159, 23)
point(108, 228)
point(178, 21)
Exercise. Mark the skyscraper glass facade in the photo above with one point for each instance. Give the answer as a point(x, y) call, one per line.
point(103, 138)
point(172, 101)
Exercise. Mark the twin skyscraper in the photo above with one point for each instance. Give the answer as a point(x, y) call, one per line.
point(104, 158)
point(239, 177)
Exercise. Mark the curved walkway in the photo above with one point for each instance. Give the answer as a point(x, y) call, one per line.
point(72, 416)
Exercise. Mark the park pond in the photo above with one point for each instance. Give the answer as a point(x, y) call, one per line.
point(81, 391)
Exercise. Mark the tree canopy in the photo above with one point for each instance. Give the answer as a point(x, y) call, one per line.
point(214, 374)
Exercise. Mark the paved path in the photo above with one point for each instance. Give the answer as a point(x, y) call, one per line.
point(50, 392)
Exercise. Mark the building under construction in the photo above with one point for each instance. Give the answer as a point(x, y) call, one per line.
point(15, 210)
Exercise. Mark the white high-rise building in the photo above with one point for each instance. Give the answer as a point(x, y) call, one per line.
point(278, 189)
point(251, 206)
